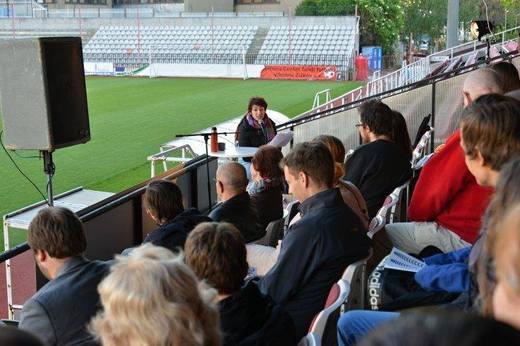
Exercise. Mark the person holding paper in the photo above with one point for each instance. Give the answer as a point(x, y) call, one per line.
point(490, 139)
point(255, 129)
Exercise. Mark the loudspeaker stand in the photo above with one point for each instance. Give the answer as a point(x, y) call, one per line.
point(49, 169)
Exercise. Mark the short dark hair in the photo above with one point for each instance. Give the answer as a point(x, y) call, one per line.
point(508, 76)
point(164, 199)
point(266, 161)
point(491, 124)
point(216, 252)
point(313, 159)
point(378, 116)
point(58, 231)
point(256, 101)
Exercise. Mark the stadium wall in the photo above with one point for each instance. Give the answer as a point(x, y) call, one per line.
point(208, 6)
point(57, 24)
point(203, 70)
point(287, 6)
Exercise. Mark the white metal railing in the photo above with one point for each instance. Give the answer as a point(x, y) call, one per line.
point(166, 155)
point(418, 70)
point(31, 9)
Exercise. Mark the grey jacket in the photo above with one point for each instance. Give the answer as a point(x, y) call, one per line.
point(61, 310)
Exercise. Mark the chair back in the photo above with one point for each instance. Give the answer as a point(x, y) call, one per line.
point(348, 155)
point(421, 147)
point(387, 211)
point(356, 277)
point(338, 294)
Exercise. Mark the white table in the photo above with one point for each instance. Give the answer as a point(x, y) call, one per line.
point(232, 152)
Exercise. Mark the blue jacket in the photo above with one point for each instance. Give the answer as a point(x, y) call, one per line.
point(446, 272)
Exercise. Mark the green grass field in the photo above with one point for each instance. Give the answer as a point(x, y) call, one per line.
point(131, 117)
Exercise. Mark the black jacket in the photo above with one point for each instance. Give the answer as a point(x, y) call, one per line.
point(248, 136)
point(376, 169)
point(269, 205)
point(315, 251)
point(239, 211)
point(173, 234)
point(251, 318)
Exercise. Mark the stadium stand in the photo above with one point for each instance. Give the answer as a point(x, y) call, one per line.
point(432, 95)
point(308, 45)
point(452, 59)
point(130, 45)
point(299, 45)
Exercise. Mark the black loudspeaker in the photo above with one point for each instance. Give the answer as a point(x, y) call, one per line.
point(43, 96)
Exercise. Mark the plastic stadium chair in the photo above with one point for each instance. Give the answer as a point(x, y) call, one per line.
point(356, 277)
point(420, 149)
point(337, 295)
point(387, 212)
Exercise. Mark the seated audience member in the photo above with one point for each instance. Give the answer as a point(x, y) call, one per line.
point(236, 206)
point(350, 193)
point(268, 184)
point(216, 252)
point(506, 251)
point(490, 139)
point(381, 164)
point(152, 298)
point(442, 328)
point(507, 193)
point(60, 311)
point(447, 203)
point(163, 203)
point(321, 244)
point(16, 337)
point(508, 75)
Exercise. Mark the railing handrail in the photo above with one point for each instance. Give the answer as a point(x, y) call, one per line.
point(475, 44)
point(429, 80)
point(111, 202)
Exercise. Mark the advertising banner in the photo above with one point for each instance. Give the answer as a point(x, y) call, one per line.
point(299, 72)
point(374, 54)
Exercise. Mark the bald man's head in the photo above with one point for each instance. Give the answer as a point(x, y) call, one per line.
point(233, 177)
point(480, 82)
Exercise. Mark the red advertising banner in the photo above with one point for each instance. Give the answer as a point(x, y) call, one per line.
point(299, 72)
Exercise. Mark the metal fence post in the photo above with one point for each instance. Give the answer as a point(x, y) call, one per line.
point(432, 140)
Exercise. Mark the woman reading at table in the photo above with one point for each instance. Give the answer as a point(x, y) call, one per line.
point(256, 128)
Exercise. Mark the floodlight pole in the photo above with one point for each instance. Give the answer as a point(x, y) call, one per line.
point(453, 23)
point(49, 169)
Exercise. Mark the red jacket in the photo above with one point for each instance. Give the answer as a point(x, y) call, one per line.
point(448, 194)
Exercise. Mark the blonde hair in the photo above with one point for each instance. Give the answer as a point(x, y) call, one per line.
point(152, 298)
